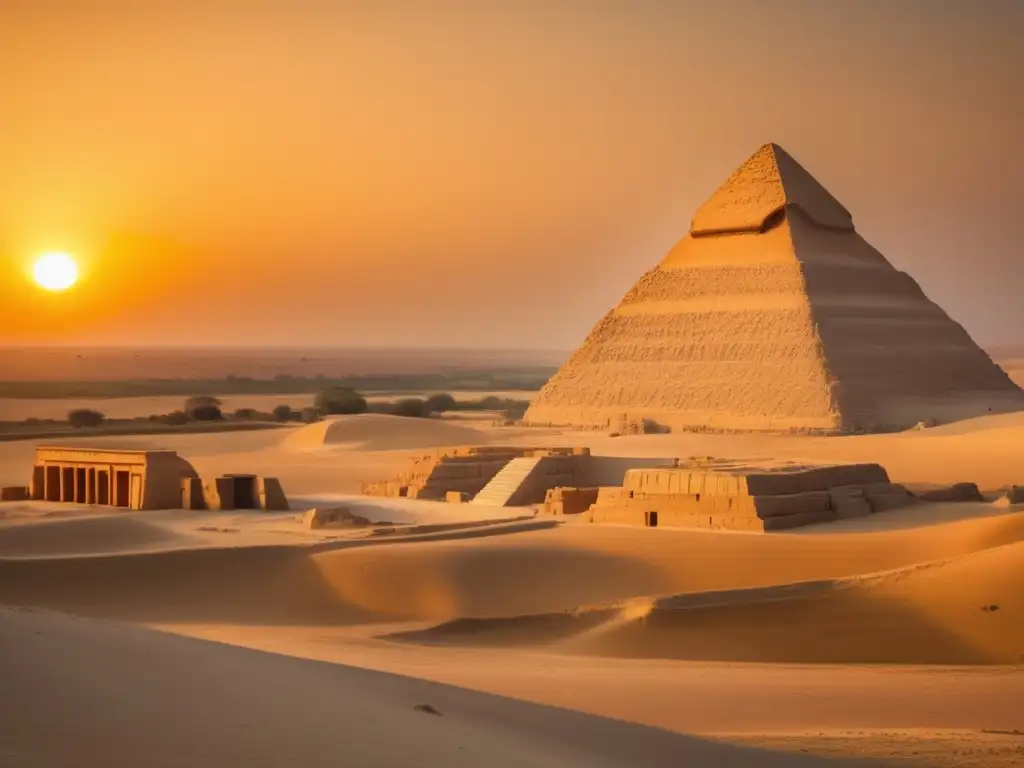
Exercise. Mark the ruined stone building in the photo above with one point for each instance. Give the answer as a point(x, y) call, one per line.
point(140, 480)
point(116, 478)
point(773, 313)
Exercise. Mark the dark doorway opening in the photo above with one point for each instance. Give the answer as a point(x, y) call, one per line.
point(52, 485)
point(122, 488)
point(67, 487)
point(103, 487)
point(80, 487)
point(38, 482)
point(245, 492)
point(652, 519)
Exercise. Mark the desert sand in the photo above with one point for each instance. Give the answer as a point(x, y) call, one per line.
point(894, 637)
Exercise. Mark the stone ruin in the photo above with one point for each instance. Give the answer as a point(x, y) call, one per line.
point(333, 517)
point(462, 472)
point(728, 496)
point(568, 501)
point(139, 480)
point(230, 492)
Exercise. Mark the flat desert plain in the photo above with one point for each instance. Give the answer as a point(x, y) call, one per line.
point(461, 637)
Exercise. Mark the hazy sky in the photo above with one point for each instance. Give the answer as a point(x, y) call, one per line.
point(478, 173)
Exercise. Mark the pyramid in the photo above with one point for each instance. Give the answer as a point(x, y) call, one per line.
point(774, 314)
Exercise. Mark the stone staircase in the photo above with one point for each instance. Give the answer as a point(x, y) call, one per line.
point(502, 488)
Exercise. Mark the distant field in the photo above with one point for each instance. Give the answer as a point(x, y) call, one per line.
point(19, 409)
point(112, 364)
point(121, 428)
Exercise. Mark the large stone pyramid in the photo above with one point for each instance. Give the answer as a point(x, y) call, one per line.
point(774, 314)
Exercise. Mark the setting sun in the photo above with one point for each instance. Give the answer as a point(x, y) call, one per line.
point(55, 272)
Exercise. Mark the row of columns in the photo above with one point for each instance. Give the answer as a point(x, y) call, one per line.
point(84, 484)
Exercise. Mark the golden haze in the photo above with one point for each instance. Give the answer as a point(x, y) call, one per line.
point(256, 173)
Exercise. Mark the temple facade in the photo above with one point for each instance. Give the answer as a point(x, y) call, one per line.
point(117, 478)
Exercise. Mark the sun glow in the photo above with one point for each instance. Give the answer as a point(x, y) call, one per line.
point(55, 272)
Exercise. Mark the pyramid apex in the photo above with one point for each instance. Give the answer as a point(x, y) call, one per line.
point(767, 183)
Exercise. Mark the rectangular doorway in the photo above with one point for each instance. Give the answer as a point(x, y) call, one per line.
point(67, 484)
point(245, 492)
point(122, 488)
point(652, 520)
point(80, 488)
point(51, 488)
point(103, 487)
point(38, 482)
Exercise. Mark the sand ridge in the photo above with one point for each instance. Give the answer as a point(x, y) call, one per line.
point(965, 610)
point(486, 574)
point(240, 707)
point(375, 431)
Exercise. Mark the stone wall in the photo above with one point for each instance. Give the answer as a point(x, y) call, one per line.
point(125, 479)
point(14, 493)
point(568, 501)
point(551, 472)
point(465, 470)
point(220, 494)
point(747, 499)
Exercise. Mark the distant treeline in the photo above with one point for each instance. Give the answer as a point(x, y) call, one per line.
point(528, 379)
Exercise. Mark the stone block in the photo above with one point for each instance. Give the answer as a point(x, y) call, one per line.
point(1014, 495)
point(791, 481)
point(338, 517)
point(787, 522)
point(271, 495)
point(955, 492)
point(885, 502)
point(14, 493)
point(610, 494)
point(809, 502)
point(849, 501)
point(888, 496)
point(192, 496)
point(574, 501)
point(456, 497)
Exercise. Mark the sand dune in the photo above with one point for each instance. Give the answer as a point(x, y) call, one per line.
point(130, 696)
point(87, 535)
point(608, 620)
point(379, 432)
point(451, 577)
point(562, 569)
point(967, 610)
point(246, 585)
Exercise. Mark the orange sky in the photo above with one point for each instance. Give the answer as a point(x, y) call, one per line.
point(478, 173)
